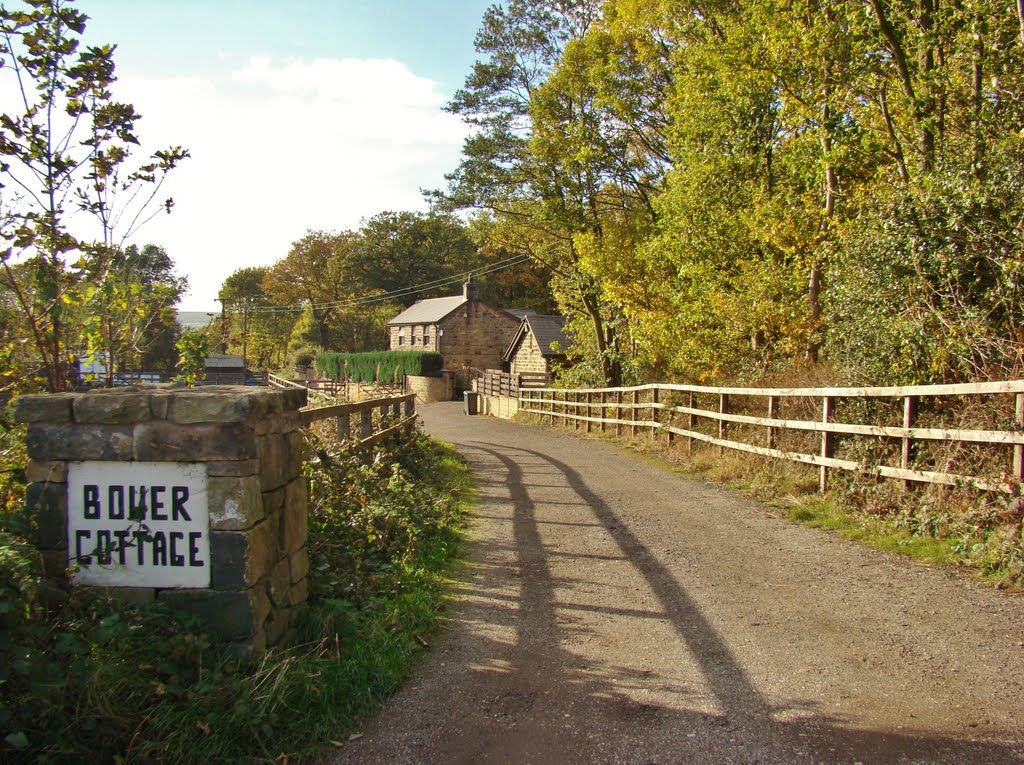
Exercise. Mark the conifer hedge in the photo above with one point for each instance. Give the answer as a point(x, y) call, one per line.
point(392, 365)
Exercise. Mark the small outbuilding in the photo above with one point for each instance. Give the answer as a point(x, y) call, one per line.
point(224, 369)
point(539, 346)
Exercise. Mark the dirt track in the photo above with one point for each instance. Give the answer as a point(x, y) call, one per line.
point(614, 613)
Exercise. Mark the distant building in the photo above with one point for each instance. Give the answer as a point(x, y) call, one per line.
point(224, 369)
point(539, 346)
point(468, 333)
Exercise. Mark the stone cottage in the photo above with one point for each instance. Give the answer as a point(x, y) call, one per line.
point(533, 349)
point(467, 332)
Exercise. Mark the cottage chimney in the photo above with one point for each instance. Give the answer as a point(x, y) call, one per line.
point(470, 291)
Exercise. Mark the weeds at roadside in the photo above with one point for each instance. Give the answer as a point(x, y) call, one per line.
point(84, 678)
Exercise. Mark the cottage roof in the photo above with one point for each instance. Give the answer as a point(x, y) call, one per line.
point(547, 330)
point(429, 311)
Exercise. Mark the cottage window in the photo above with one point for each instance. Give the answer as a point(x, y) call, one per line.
point(401, 337)
point(426, 335)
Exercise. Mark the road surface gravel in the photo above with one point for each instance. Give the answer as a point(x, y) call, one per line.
point(612, 612)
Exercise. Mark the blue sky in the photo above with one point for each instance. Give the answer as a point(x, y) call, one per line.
point(299, 115)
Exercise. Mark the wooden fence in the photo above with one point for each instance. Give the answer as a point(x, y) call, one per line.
point(493, 382)
point(915, 442)
point(378, 419)
point(314, 393)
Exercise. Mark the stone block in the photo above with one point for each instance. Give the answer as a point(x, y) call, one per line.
point(269, 424)
point(52, 407)
point(294, 523)
point(161, 441)
point(233, 469)
point(272, 450)
point(299, 565)
point(160, 404)
point(235, 503)
point(135, 596)
point(239, 559)
point(190, 407)
point(229, 615)
point(294, 398)
point(79, 443)
point(276, 628)
point(280, 583)
point(112, 407)
point(299, 593)
point(273, 501)
point(49, 503)
point(55, 563)
point(46, 472)
point(296, 442)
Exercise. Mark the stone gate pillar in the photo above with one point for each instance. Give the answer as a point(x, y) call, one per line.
point(194, 497)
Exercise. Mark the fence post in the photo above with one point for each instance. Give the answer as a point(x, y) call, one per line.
point(670, 437)
point(589, 400)
point(1018, 449)
point(618, 413)
point(603, 400)
point(692, 421)
point(723, 426)
point(366, 423)
point(655, 413)
point(632, 413)
point(907, 451)
point(828, 410)
point(773, 413)
point(410, 407)
point(344, 427)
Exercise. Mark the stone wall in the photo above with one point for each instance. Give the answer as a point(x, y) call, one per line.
point(528, 357)
point(431, 389)
point(504, 407)
point(476, 336)
point(247, 446)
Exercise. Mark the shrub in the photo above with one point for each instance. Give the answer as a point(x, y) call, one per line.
point(378, 366)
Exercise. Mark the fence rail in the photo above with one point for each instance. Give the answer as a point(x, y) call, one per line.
point(379, 418)
point(493, 382)
point(898, 449)
point(314, 393)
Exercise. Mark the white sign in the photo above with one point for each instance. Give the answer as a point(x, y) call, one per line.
point(138, 524)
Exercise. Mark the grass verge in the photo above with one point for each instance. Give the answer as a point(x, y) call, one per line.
point(87, 679)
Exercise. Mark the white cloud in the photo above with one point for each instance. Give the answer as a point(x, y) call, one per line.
point(279, 148)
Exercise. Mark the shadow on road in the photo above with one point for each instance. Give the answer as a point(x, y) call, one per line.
point(746, 730)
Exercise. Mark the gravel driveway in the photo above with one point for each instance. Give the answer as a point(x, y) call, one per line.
point(614, 613)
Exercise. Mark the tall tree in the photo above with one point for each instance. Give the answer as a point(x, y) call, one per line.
point(67, 146)
point(317, 274)
point(397, 252)
point(128, 315)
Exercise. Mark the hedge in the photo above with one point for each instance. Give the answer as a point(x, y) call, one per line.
point(392, 365)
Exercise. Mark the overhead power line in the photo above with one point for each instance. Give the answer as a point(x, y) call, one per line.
point(398, 293)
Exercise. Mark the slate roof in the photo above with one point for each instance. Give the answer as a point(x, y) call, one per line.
point(223, 361)
point(546, 330)
point(429, 311)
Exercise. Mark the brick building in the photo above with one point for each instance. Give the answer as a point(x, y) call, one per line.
point(533, 348)
point(467, 332)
